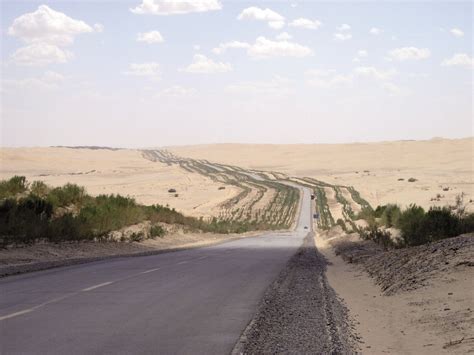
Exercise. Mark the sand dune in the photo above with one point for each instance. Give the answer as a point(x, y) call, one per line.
point(372, 168)
point(441, 167)
point(121, 171)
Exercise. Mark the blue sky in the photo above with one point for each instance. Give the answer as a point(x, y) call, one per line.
point(163, 72)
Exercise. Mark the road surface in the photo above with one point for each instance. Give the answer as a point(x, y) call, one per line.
point(190, 302)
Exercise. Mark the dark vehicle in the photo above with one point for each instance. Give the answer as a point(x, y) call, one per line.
point(305, 227)
point(316, 216)
point(312, 196)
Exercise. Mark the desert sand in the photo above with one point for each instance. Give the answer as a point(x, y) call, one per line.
point(103, 171)
point(443, 168)
point(440, 166)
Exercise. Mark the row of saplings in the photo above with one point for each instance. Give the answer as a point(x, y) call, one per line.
point(416, 225)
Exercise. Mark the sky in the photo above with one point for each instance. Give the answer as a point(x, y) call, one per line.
point(161, 72)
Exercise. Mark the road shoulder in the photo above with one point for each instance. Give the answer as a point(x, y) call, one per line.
point(387, 324)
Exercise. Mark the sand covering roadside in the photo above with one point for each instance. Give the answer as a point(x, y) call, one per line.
point(430, 307)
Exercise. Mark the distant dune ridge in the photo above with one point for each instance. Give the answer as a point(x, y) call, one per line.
point(442, 168)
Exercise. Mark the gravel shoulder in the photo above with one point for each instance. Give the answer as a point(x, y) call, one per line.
point(300, 312)
point(412, 301)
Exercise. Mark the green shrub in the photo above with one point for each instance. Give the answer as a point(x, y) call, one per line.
point(412, 179)
point(378, 236)
point(157, 231)
point(24, 221)
point(439, 223)
point(106, 213)
point(390, 215)
point(367, 214)
point(341, 223)
point(39, 188)
point(69, 194)
point(137, 237)
point(409, 224)
point(13, 186)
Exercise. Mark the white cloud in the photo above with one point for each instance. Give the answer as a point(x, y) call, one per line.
point(284, 36)
point(342, 36)
point(409, 53)
point(344, 27)
point(233, 44)
point(150, 37)
point(375, 31)
point(456, 32)
point(39, 54)
point(177, 91)
point(266, 48)
point(328, 78)
point(173, 7)
point(203, 65)
point(149, 69)
point(459, 59)
point(276, 25)
point(278, 87)
point(45, 31)
point(305, 23)
point(273, 19)
point(375, 73)
point(47, 26)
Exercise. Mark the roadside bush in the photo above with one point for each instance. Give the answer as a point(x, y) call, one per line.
point(107, 213)
point(390, 215)
point(137, 237)
point(378, 236)
point(157, 231)
point(32, 218)
point(39, 188)
point(409, 224)
point(368, 214)
point(69, 194)
point(341, 223)
point(24, 221)
point(13, 186)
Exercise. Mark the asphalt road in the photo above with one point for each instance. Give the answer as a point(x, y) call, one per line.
point(190, 302)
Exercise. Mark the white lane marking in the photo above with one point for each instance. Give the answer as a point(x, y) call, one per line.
point(17, 313)
point(151, 270)
point(28, 310)
point(182, 262)
point(96, 286)
point(203, 257)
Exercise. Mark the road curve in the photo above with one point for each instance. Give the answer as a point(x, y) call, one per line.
point(190, 302)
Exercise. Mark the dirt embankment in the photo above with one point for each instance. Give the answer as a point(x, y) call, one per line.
point(415, 300)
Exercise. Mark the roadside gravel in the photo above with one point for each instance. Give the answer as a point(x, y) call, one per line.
point(300, 312)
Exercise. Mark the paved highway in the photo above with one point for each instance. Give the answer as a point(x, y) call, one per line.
point(190, 302)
